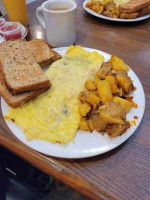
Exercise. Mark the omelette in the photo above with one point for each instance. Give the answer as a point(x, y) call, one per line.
point(53, 116)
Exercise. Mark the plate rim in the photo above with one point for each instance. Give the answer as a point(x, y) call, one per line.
point(91, 153)
point(113, 19)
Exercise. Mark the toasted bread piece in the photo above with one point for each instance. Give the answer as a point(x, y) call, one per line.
point(129, 15)
point(144, 11)
point(43, 53)
point(134, 5)
point(21, 71)
point(17, 100)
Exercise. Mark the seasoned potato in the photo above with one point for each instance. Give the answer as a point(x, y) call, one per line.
point(84, 108)
point(125, 83)
point(118, 64)
point(90, 85)
point(124, 103)
point(129, 15)
point(98, 123)
point(113, 84)
point(104, 91)
point(112, 112)
point(105, 2)
point(90, 125)
point(100, 9)
point(90, 98)
point(83, 125)
point(96, 80)
point(89, 4)
point(104, 70)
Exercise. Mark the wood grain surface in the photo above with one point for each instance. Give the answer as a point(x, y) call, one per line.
point(124, 173)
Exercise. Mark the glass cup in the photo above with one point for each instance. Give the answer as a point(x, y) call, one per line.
point(16, 10)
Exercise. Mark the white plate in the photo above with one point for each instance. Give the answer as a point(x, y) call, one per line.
point(113, 19)
point(85, 144)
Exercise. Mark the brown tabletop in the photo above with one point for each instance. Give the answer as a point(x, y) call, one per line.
point(123, 173)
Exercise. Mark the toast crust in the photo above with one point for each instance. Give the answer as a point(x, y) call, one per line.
point(19, 99)
point(43, 53)
point(134, 5)
point(144, 11)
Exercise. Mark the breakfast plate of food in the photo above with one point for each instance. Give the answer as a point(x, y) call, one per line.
point(119, 10)
point(85, 102)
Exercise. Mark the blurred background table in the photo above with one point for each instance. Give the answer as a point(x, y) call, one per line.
point(124, 172)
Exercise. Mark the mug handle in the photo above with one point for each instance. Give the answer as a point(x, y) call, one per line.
point(39, 15)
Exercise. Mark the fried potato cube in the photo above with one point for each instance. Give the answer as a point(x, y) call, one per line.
point(113, 84)
point(105, 2)
point(129, 15)
point(90, 85)
point(83, 125)
point(104, 91)
point(84, 108)
point(124, 103)
point(98, 123)
point(89, 4)
point(95, 8)
point(104, 70)
point(125, 83)
point(112, 112)
point(96, 80)
point(118, 64)
point(100, 9)
point(89, 97)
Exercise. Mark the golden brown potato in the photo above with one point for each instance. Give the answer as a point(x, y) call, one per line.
point(90, 85)
point(84, 108)
point(124, 103)
point(112, 112)
point(117, 129)
point(96, 80)
point(105, 2)
point(104, 70)
point(90, 125)
point(125, 83)
point(100, 9)
point(98, 123)
point(89, 4)
point(107, 14)
point(90, 98)
point(118, 64)
point(129, 15)
point(83, 125)
point(113, 84)
point(104, 91)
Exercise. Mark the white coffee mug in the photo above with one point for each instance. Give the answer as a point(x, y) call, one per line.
point(59, 24)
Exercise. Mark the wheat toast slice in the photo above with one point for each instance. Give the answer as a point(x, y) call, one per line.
point(134, 5)
point(19, 99)
point(44, 55)
point(20, 70)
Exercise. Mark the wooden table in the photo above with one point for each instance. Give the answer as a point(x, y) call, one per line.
point(123, 173)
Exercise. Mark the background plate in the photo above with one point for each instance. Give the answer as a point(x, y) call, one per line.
point(113, 19)
point(85, 144)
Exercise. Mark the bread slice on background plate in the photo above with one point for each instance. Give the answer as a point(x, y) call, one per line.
point(20, 70)
point(134, 5)
point(43, 53)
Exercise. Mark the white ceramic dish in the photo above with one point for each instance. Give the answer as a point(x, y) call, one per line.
point(113, 19)
point(85, 144)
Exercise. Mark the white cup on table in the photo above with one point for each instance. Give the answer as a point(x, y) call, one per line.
point(58, 19)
